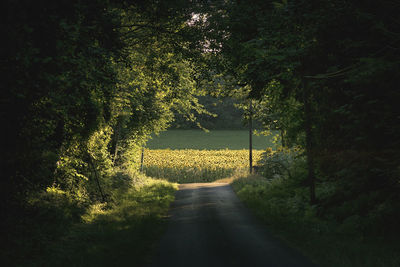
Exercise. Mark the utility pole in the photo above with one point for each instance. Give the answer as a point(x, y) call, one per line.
point(251, 136)
point(309, 141)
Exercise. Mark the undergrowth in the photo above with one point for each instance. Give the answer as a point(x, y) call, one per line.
point(62, 231)
point(284, 206)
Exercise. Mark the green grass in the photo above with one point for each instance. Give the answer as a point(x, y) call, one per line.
point(119, 234)
point(215, 139)
point(123, 235)
point(285, 209)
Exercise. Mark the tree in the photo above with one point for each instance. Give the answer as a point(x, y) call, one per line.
point(85, 83)
point(327, 59)
point(58, 78)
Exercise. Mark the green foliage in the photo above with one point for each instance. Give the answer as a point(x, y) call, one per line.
point(47, 216)
point(66, 233)
point(121, 233)
point(324, 75)
point(55, 205)
point(360, 208)
point(59, 75)
point(284, 199)
point(283, 163)
point(86, 83)
point(285, 208)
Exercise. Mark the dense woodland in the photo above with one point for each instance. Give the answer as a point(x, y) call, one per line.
point(84, 84)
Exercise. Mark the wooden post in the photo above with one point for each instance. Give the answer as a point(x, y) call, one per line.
point(251, 136)
point(142, 160)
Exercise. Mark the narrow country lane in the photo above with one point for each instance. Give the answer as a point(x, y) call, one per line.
point(209, 226)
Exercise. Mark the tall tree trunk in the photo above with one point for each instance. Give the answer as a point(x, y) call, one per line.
point(309, 142)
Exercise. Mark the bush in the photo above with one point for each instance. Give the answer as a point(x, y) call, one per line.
point(57, 206)
point(278, 199)
point(283, 163)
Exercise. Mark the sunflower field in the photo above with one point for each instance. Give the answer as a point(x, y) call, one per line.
point(191, 166)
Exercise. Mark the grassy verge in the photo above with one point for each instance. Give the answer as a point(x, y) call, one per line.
point(285, 209)
point(119, 234)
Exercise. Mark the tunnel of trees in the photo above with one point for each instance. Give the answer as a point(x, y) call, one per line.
point(85, 82)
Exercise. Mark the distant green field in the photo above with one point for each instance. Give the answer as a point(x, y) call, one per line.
point(215, 139)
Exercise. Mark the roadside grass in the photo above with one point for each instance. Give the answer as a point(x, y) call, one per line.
point(285, 209)
point(195, 166)
point(118, 234)
point(212, 140)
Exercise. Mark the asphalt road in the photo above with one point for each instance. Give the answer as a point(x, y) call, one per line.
point(209, 227)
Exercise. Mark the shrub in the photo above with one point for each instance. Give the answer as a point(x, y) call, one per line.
point(283, 163)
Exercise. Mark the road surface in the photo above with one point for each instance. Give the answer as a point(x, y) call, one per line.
point(210, 227)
